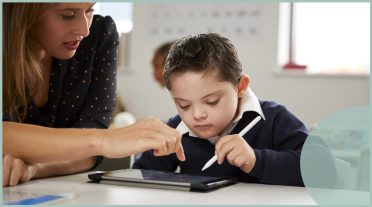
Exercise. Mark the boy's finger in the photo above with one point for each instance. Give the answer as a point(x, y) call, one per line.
point(223, 151)
point(231, 156)
point(239, 161)
point(222, 141)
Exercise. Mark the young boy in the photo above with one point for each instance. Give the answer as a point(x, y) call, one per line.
point(214, 101)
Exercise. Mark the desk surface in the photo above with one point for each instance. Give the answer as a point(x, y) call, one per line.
point(238, 194)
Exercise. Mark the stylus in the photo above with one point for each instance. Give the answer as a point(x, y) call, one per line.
point(243, 132)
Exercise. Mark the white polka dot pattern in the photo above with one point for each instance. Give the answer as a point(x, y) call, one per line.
point(80, 88)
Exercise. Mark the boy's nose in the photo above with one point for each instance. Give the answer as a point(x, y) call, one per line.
point(199, 114)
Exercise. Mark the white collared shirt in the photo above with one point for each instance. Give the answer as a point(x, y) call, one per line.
point(249, 102)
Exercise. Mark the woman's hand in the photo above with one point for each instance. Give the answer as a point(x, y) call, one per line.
point(237, 151)
point(16, 171)
point(146, 134)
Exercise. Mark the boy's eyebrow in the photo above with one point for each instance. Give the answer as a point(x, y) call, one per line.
point(206, 96)
point(180, 99)
point(211, 94)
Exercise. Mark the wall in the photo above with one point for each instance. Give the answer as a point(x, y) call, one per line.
point(310, 98)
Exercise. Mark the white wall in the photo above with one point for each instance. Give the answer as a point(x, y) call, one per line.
point(310, 98)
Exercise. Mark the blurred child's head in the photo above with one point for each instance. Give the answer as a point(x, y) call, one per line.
point(203, 75)
point(158, 62)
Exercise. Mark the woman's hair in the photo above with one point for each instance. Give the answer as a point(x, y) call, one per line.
point(18, 61)
point(203, 53)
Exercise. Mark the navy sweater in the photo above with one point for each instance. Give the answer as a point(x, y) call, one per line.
point(276, 141)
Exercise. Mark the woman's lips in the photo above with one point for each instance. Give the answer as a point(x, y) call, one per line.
point(73, 45)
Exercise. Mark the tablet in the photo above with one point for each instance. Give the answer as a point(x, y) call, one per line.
point(161, 179)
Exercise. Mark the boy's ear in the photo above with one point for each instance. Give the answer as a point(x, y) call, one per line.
point(243, 85)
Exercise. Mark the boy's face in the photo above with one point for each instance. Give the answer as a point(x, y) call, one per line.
point(204, 102)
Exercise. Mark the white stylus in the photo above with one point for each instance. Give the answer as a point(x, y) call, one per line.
point(244, 131)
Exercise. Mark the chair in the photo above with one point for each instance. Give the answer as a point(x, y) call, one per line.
point(363, 178)
point(121, 119)
point(346, 175)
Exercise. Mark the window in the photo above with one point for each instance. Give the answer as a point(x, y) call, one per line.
point(327, 38)
point(121, 13)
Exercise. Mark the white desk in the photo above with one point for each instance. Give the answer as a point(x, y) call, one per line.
point(238, 194)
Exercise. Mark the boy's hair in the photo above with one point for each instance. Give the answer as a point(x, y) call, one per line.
point(203, 53)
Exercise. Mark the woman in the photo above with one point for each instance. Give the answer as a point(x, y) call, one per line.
point(59, 75)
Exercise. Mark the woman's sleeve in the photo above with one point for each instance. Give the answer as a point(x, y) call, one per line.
point(100, 101)
point(101, 98)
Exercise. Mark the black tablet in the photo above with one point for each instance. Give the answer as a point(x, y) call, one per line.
point(161, 179)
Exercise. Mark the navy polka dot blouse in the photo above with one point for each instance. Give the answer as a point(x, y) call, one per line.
point(82, 89)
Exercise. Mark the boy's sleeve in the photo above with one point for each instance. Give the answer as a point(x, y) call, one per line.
point(281, 165)
point(150, 162)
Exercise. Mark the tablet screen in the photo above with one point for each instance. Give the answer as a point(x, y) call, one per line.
point(159, 176)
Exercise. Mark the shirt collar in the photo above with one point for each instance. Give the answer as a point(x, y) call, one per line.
point(249, 102)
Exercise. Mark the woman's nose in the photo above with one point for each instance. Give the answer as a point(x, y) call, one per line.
point(82, 27)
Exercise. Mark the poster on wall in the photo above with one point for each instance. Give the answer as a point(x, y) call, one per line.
point(238, 20)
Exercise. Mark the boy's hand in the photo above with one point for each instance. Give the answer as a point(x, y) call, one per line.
point(237, 151)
